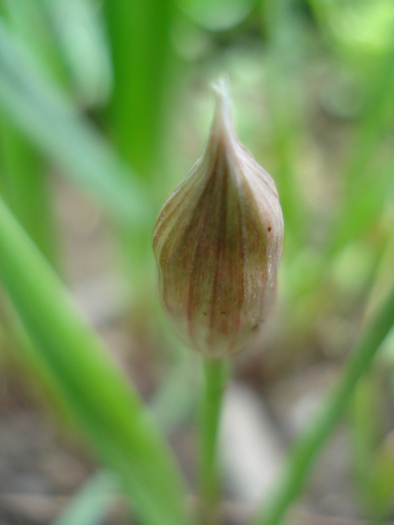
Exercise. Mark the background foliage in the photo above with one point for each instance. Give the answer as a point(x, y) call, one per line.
point(113, 97)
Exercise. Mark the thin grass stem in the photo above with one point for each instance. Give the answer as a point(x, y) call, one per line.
point(309, 444)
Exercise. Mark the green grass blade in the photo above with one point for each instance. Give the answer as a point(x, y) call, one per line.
point(109, 411)
point(24, 186)
point(44, 114)
point(91, 504)
point(367, 185)
point(170, 406)
point(78, 30)
point(142, 54)
point(29, 21)
point(309, 444)
point(381, 482)
point(366, 427)
point(360, 211)
point(23, 181)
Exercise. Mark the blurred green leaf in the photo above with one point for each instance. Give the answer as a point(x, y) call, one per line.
point(307, 446)
point(218, 15)
point(383, 281)
point(170, 406)
point(143, 62)
point(381, 480)
point(176, 396)
point(28, 19)
point(45, 115)
point(79, 29)
point(362, 31)
point(109, 411)
point(91, 504)
point(361, 210)
point(140, 112)
point(25, 188)
point(19, 350)
point(367, 186)
point(363, 27)
point(366, 426)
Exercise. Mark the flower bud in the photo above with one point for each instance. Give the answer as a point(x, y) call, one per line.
point(218, 241)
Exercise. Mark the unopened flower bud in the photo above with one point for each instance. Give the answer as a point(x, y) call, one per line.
point(218, 241)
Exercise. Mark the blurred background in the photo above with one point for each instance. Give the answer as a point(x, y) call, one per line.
point(104, 107)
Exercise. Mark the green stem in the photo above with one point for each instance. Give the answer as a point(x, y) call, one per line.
point(215, 377)
point(308, 445)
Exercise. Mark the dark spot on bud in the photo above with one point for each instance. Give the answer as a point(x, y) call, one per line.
point(269, 228)
point(223, 313)
point(204, 313)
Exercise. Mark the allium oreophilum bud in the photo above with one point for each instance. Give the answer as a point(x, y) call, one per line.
point(218, 242)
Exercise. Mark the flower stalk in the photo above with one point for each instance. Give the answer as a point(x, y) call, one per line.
point(215, 377)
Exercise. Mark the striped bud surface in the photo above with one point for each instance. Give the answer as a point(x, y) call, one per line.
point(218, 242)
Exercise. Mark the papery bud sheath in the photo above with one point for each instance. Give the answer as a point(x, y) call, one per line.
point(218, 241)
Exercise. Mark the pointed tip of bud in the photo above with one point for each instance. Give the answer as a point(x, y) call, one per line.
point(221, 88)
point(223, 114)
point(218, 242)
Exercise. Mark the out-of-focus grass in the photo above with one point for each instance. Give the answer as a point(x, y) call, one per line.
point(24, 185)
point(47, 117)
point(94, 90)
point(96, 393)
point(91, 505)
point(307, 446)
point(142, 56)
